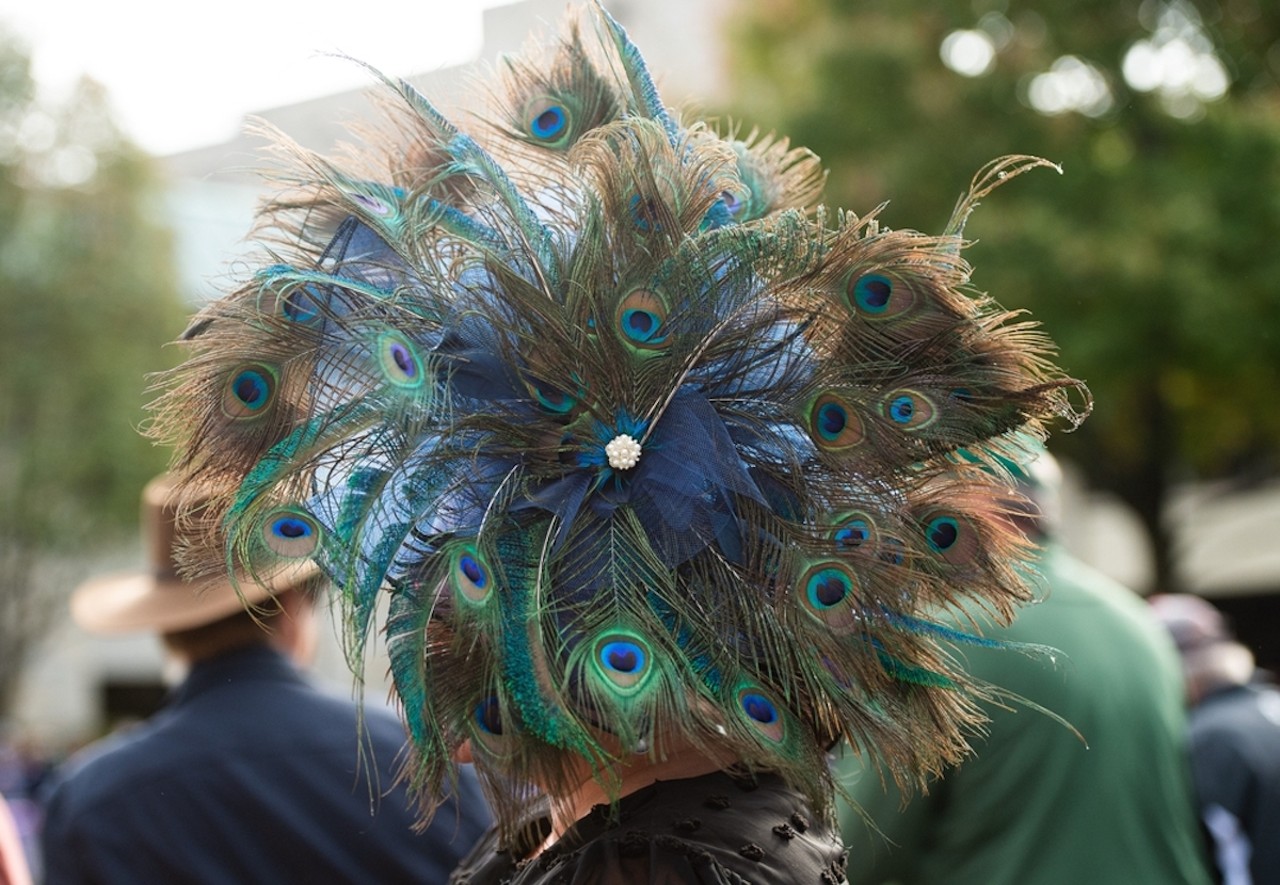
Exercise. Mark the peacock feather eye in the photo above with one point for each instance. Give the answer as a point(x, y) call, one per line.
point(833, 424)
point(549, 398)
point(733, 203)
point(290, 533)
point(854, 530)
point(468, 574)
point(827, 594)
point(878, 296)
point(872, 292)
point(909, 409)
point(488, 716)
point(761, 714)
point(624, 659)
point(828, 587)
point(399, 360)
point(951, 537)
point(642, 316)
point(369, 203)
point(942, 532)
point(549, 122)
point(249, 391)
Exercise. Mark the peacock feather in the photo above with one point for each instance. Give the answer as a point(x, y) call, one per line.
point(645, 448)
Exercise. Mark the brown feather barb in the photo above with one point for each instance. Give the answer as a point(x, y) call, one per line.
point(646, 452)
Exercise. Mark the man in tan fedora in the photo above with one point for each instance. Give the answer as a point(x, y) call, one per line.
point(249, 774)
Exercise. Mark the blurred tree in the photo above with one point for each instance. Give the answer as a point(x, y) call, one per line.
point(87, 297)
point(1152, 262)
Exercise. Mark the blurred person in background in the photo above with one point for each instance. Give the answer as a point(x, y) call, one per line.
point(1235, 740)
point(1036, 803)
point(13, 859)
point(250, 773)
point(23, 768)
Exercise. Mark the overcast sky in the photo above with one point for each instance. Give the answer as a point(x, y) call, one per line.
point(181, 75)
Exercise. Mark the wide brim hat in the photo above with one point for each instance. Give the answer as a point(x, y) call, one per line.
point(160, 599)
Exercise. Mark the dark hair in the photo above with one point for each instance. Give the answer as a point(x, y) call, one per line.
point(249, 626)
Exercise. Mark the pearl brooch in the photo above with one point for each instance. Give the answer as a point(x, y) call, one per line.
point(623, 452)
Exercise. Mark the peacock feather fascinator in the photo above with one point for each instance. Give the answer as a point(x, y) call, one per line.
point(626, 443)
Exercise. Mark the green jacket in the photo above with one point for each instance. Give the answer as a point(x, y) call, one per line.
point(1035, 805)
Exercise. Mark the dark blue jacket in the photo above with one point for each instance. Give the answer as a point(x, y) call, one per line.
point(1235, 758)
point(250, 774)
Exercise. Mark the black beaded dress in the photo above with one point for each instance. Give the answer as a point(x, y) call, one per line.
point(717, 829)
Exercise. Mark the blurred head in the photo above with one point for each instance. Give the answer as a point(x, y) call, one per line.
point(1211, 656)
point(1042, 484)
point(287, 623)
point(1039, 481)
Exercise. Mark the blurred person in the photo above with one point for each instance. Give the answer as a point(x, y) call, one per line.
point(1036, 802)
point(22, 770)
point(1235, 739)
point(249, 773)
point(13, 859)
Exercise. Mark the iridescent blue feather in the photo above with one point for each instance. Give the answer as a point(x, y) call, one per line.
point(647, 452)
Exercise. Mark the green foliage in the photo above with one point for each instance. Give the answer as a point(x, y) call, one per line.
point(87, 298)
point(1151, 261)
